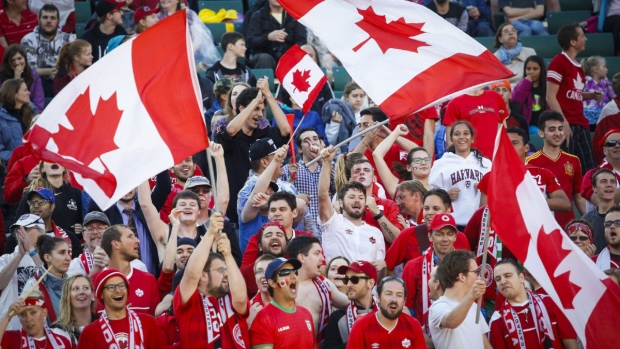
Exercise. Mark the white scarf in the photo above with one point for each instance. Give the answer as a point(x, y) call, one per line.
point(135, 330)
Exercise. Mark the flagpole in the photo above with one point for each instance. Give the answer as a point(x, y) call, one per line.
point(33, 287)
point(292, 149)
point(359, 134)
point(213, 189)
point(485, 248)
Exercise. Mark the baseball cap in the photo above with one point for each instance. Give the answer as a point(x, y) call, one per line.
point(96, 216)
point(360, 267)
point(43, 192)
point(142, 12)
point(186, 241)
point(28, 221)
point(261, 148)
point(277, 263)
point(104, 276)
point(274, 186)
point(106, 6)
point(504, 83)
point(197, 181)
point(443, 220)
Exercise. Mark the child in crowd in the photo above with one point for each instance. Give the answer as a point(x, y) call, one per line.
point(531, 91)
point(595, 69)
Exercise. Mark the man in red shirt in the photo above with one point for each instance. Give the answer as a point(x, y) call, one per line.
point(15, 22)
point(610, 256)
point(484, 110)
point(565, 167)
point(527, 317)
point(565, 82)
point(282, 323)
point(388, 327)
point(211, 303)
point(119, 326)
point(421, 128)
point(122, 246)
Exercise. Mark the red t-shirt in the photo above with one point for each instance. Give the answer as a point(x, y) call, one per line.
point(167, 323)
point(562, 329)
point(14, 33)
point(164, 283)
point(368, 333)
point(484, 112)
point(569, 75)
point(143, 295)
point(390, 211)
point(227, 325)
point(412, 275)
point(415, 124)
point(92, 335)
point(395, 154)
point(12, 339)
point(283, 328)
point(567, 169)
point(252, 253)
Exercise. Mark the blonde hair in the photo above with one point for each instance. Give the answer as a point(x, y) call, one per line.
point(588, 64)
point(42, 181)
point(342, 170)
point(65, 320)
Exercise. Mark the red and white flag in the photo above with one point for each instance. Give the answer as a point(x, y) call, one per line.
point(130, 116)
point(404, 56)
point(300, 76)
point(521, 218)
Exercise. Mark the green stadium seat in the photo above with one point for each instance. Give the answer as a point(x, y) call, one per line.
point(575, 5)
point(548, 47)
point(499, 19)
point(613, 66)
point(338, 94)
point(259, 73)
point(487, 42)
point(600, 44)
point(82, 11)
point(341, 78)
point(557, 20)
point(80, 28)
point(221, 4)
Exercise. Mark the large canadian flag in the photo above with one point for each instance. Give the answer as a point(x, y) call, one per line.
point(404, 56)
point(131, 115)
point(300, 76)
point(521, 218)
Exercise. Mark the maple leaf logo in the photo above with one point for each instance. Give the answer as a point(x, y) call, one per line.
point(396, 35)
point(578, 82)
point(554, 254)
point(300, 80)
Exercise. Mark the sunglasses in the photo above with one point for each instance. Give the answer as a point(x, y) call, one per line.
point(354, 279)
point(608, 224)
point(287, 272)
point(581, 238)
point(610, 144)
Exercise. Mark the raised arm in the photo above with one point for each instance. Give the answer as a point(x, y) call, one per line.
point(158, 229)
point(171, 246)
point(238, 289)
point(456, 317)
point(235, 125)
point(387, 177)
point(326, 210)
point(339, 299)
point(14, 309)
point(263, 85)
point(223, 193)
point(198, 259)
point(428, 141)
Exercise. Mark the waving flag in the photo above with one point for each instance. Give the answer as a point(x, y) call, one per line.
point(128, 117)
point(521, 218)
point(402, 54)
point(300, 76)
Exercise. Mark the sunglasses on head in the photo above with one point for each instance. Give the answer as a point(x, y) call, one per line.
point(354, 279)
point(581, 238)
point(610, 144)
point(608, 224)
point(286, 272)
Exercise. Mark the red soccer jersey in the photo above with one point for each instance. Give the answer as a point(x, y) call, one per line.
point(569, 75)
point(484, 112)
point(567, 169)
point(395, 154)
point(143, 295)
point(153, 338)
point(167, 323)
point(562, 329)
point(14, 33)
point(415, 124)
point(283, 328)
point(226, 327)
point(368, 333)
point(390, 211)
point(12, 339)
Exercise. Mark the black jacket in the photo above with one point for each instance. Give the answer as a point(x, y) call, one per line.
point(263, 23)
point(99, 40)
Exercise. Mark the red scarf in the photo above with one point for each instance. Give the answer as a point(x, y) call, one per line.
point(540, 316)
point(60, 233)
point(86, 258)
point(55, 339)
point(325, 293)
point(491, 255)
point(352, 315)
point(136, 337)
point(216, 319)
point(427, 267)
point(48, 301)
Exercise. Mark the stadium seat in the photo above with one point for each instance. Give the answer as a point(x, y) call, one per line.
point(487, 42)
point(82, 11)
point(613, 66)
point(222, 4)
point(338, 94)
point(259, 73)
point(80, 28)
point(548, 47)
point(557, 20)
point(499, 19)
point(341, 78)
point(575, 5)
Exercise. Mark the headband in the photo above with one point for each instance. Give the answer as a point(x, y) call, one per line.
point(579, 226)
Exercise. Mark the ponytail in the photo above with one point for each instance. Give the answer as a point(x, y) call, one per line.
point(68, 51)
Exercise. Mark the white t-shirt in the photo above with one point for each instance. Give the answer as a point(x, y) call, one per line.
point(467, 335)
point(343, 238)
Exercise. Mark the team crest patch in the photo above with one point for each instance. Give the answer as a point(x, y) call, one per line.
point(488, 274)
point(348, 231)
point(139, 292)
point(406, 343)
point(372, 240)
point(568, 169)
point(238, 336)
point(309, 325)
point(72, 205)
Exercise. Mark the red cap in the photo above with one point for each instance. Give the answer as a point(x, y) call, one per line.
point(34, 301)
point(103, 276)
point(142, 12)
point(443, 220)
point(609, 133)
point(360, 267)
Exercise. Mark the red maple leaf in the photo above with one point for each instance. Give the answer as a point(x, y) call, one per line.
point(300, 80)
point(102, 125)
point(551, 253)
point(396, 34)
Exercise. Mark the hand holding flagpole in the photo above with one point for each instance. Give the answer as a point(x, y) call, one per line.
point(485, 248)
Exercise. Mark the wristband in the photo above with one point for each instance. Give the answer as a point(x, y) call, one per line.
point(32, 253)
point(378, 216)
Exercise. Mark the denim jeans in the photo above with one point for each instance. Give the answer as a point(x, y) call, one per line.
point(527, 27)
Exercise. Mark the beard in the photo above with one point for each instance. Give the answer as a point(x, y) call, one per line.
point(352, 214)
point(385, 312)
point(47, 33)
point(217, 291)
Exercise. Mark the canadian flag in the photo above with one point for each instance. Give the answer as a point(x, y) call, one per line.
point(300, 76)
point(404, 56)
point(521, 218)
point(130, 116)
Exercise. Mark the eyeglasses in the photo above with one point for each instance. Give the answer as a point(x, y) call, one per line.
point(286, 272)
point(99, 230)
point(112, 288)
point(419, 161)
point(354, 279)
point(581, 238)
point(608, 224)
point(37, 202)
point(611, 144)
point(509, 31)
point(201, 190)
point(476, 271)
point(401, 197)
point(221, 270)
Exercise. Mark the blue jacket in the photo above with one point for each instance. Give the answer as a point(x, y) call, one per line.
point(10, 134)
